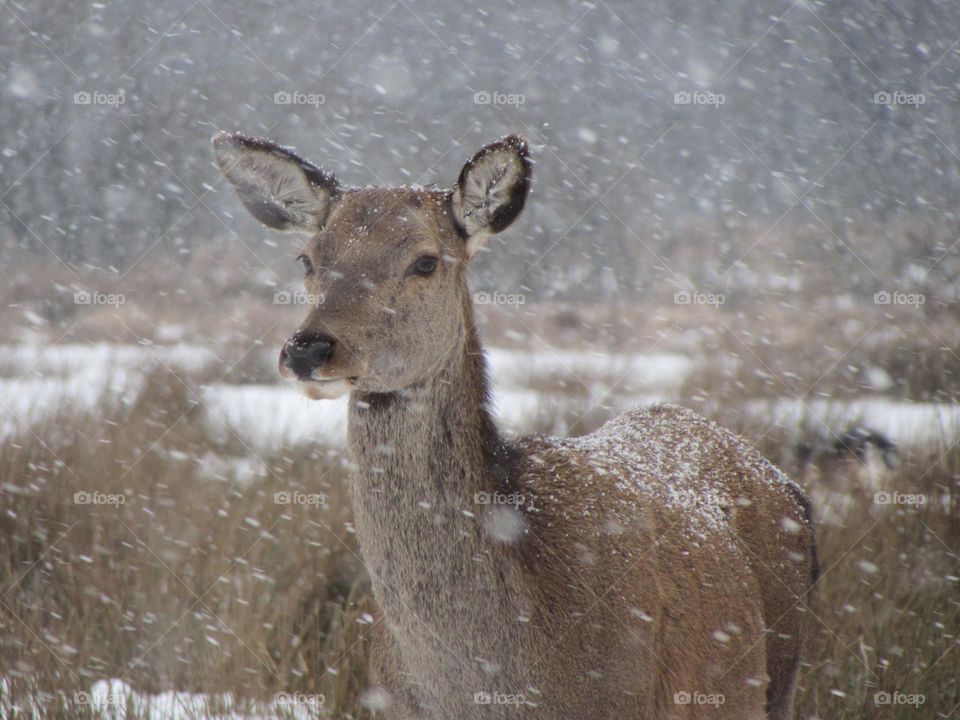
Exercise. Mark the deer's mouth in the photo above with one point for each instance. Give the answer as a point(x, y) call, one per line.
point(327, 388)
point(315, 385)
point(305, 359)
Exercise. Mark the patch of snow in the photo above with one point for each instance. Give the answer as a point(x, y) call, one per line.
point(41, 380)
point(900, 421)
point(63, 359)
point(267, 417)
point(117, 700)
point(660, 371)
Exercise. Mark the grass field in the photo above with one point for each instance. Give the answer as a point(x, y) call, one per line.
point(139, 543)
point(125, 554)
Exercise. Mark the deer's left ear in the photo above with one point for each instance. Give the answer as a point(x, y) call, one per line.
point(492, 190)
point(279, 188)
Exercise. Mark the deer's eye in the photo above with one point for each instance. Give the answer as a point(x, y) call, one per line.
point(307, 265)
point(424, 265)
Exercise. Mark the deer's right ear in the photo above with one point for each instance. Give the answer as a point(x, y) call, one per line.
point(491, 190)
point(278, 187)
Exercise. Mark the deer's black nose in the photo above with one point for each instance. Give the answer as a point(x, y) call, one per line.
point(303, 355)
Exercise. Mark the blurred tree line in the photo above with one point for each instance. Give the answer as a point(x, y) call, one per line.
point(829, 113)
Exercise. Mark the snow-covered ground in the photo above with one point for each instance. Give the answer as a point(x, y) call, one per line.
point(43, 380)
point(116, 700)
point(40, 380)
point(902, 422)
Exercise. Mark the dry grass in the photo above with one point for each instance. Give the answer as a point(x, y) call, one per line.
point(194, 582)
point(198, 582)
point(886, 611)
point(201, 582)
point(885, 617)
point(799, 314)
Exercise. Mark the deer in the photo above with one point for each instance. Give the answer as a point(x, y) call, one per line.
point(858, 454)
point(657, 568)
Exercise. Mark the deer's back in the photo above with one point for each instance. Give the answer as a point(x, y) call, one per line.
point(637, 579)
point(676, 459)
point(659, 514)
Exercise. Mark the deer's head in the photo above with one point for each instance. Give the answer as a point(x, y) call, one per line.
point(385, 267)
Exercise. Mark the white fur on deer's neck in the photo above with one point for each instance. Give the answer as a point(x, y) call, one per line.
point(422, 456)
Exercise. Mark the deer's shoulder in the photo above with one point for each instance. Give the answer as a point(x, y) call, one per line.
point(650, 461)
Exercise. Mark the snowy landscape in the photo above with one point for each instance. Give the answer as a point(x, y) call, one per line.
point(48, 381)
point(745, 209)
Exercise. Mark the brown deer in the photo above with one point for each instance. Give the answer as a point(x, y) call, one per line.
point(654, 569)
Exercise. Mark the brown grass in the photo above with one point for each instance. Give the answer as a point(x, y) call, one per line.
point(799, 314)
point(886, 614)
point(194, 582)
point(200, 583)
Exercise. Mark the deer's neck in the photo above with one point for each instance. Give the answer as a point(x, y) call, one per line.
point(422, 456)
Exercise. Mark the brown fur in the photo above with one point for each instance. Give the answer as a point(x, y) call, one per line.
point(656, 557)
